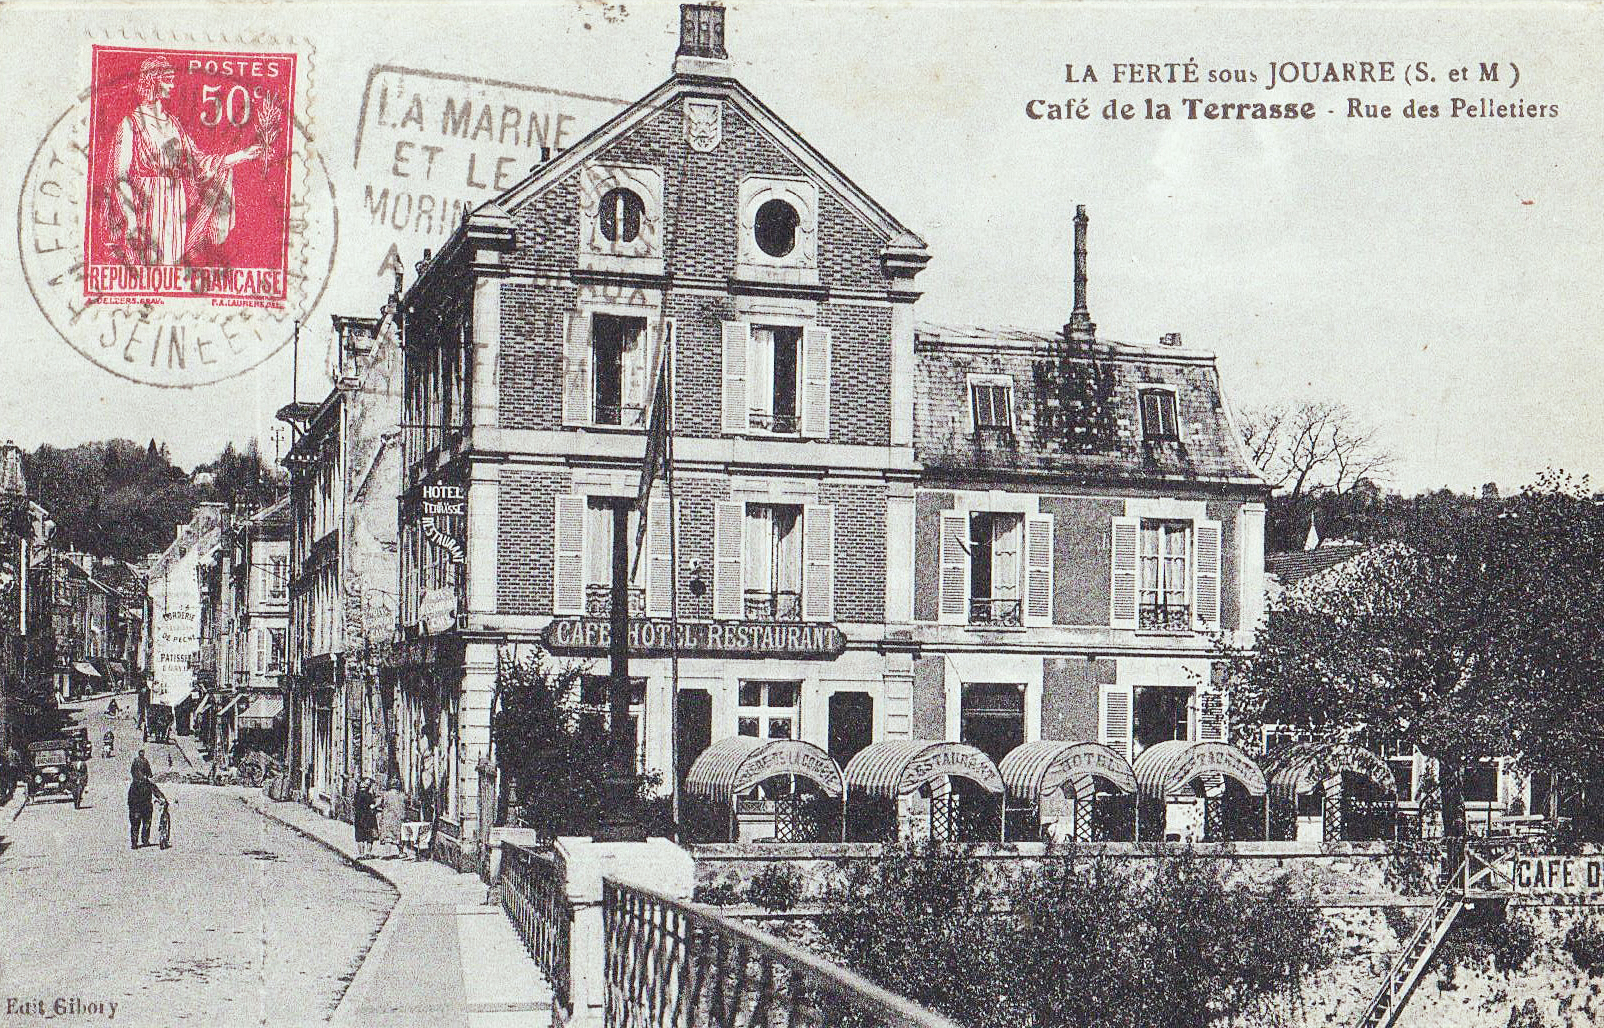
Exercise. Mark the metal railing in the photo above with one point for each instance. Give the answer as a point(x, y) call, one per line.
point(986, 610)
point(782, 605)
point(672, 964)
point(599, 601)
point(533, 897)
point(779, 424)
point(1165, 617)
point(1416, 953)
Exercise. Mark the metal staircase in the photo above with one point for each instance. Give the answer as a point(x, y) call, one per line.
point(1417, 951)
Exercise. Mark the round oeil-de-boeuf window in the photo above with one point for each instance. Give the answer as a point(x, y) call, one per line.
point(621, 212)
point(776, 227)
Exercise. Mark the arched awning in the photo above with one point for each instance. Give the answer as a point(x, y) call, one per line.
point(1034, 768)
point(898, 767)
point(1165, 769)
point(732, 766)
point(1303, 767)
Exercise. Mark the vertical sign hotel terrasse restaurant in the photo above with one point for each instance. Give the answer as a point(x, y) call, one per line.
point(442, 520)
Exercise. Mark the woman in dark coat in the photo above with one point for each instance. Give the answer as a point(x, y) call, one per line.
point(365, 816)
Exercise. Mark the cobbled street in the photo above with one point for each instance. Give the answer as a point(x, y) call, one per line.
point(242, 921)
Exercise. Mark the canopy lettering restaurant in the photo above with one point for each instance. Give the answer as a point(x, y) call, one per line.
point(895, 579)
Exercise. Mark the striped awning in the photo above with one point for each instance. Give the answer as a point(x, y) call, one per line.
point(264, 709)
point(735, 765)
point(897, 767)
point(1034, 768)
point(1301, 768)
point(1167, 768)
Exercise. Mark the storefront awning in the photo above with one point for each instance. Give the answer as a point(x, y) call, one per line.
point(732, 766)
point(898, 767)
point(1303, 767)
point(263, 711)
point(1168, 768)
point(201, 707)
point(1035, 768)
point(83, 667)
point(227, 706)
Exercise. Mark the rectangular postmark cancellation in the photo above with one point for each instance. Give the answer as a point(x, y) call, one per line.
point(189, 176)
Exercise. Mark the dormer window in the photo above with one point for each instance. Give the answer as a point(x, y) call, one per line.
point(777, 230)
point(620, 216)
point(1158, 415)
point(991, 406)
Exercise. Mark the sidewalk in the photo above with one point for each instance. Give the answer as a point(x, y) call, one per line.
point(443, 957)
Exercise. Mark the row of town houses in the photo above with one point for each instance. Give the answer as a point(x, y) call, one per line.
point(997, 537)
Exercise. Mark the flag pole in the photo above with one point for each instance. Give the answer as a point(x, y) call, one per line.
point(673, 585)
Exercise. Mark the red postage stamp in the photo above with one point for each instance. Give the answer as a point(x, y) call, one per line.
point(189, 176)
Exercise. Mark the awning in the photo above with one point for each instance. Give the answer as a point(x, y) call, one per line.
point(229, 704)
point(83, 667)
point(263, 711)
point(732, 766)
point(200, 708)
point(1166, 769)
point(1303, 767)
point(1035, 768)
point(898, 767)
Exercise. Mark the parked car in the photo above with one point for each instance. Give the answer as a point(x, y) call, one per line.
point(57, 770)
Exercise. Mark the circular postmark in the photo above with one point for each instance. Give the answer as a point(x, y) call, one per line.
point(194, 334)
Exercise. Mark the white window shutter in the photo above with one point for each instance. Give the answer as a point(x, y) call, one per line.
point(737, 337)
point(576, 369)
point(1114, 719)
point(953, 605)
point(729, 530)
point(1206, 576)
point(568, 566)
point(816, 382)
point(1123, 549)
point(1211, 716)
point(1039, 569)
point(659, 555)
point(818, 556)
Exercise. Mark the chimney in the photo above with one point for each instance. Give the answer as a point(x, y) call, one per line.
point(1080, 327)
point(1170, 339)
point(701, 41)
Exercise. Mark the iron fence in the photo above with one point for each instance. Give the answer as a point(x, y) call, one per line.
point(533, 897)
point(672, 964)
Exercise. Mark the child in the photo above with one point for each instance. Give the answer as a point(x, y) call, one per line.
point(164, 827)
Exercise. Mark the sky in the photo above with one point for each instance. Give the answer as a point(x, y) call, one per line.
point(1439, 276)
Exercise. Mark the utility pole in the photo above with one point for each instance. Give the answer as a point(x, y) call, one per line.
point(620, 821)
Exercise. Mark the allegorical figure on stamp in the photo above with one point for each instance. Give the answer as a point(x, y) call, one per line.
point(171, 198)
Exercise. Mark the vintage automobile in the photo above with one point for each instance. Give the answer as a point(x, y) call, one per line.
point(57, 770)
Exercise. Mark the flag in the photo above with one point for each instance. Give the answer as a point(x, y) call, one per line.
point(659, 401)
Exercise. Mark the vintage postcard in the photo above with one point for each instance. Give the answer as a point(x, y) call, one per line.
point(987, 514)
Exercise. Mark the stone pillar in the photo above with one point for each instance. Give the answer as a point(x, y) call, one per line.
point(657, 864)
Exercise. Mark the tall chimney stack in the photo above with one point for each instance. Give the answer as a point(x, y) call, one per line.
point(1080, 327)
point(701, 41)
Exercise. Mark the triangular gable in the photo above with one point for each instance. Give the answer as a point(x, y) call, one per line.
point(662, 98)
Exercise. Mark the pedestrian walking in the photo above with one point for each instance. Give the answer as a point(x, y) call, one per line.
point(164, 826)
point(365, 816)
point(141, 793)
point(140, 768)
point(110, 739)
point(392, 811)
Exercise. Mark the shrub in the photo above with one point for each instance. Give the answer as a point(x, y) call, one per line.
point(717, 894)
point(776, 887)
point(1584, 941)
point(1486, 932)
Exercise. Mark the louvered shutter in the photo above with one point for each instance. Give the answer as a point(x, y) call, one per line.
point(659, 556)
point(1039, 569)
point(1123, 550)
point(737, 337)
point(1211, 716)
point(1114, 719)
point(1206, 576)
point(953, 608)
point(818, 557)
point(576, 369)
point(568, 567)
point(816, 382)
point(729, 526)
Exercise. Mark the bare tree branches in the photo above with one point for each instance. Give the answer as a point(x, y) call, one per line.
point(1314, 447)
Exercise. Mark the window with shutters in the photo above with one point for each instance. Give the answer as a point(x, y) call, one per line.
point(275, 651)
point(1158, 415)
point(772, 568)
point(995, 569)
point(595, 710)
point(1162, 713)
point(618, 369)
point(1164, 584)
point(991, 406)
point(598, 549)
point(769, 710)
point(774, 368)
point(993, 717)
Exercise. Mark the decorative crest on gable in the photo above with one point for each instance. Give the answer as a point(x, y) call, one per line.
point(704, 124)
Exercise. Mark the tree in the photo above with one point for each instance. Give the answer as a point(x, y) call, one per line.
point(1471, 634)
point(1321, 463)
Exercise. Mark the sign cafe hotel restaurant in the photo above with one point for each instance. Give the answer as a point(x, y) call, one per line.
point(885, 530)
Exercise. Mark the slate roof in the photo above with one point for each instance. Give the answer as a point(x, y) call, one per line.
point(1075, 412)
point(1299, 564)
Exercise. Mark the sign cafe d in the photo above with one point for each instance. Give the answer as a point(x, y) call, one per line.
point(653, 637)
point(444, 508)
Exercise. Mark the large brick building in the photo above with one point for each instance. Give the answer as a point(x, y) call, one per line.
point(833, 463)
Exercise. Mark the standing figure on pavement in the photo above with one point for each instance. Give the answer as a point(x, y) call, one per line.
point(365, 816)
point(140, 768)
point(110, 740)
point(141, 792)
point(392, 811)
point(164, 824)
